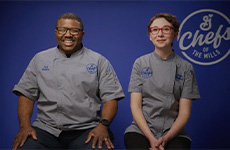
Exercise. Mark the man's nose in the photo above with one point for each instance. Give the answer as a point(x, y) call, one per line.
point(68, 33)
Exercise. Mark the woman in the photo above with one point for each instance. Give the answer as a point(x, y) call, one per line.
point(162, 87)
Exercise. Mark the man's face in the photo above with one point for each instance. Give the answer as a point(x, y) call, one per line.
point(67, 35)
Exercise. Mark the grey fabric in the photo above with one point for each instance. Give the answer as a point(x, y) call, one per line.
point(162, 83)
point(69, 91)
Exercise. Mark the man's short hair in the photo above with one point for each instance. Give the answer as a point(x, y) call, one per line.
point(71, 16)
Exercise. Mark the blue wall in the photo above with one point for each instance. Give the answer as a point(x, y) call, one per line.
point(118, 30)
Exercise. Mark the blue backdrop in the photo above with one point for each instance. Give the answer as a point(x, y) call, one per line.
point(118, 30)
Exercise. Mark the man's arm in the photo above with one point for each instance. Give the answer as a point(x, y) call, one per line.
point(100, 133)
point(25, 111)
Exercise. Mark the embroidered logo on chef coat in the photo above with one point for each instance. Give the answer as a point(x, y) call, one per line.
point(146, 72)
point(179, 77)
point(91, 68)
point(45, 68)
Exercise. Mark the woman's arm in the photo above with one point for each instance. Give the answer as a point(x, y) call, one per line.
point(136, 108)
point(181, 121)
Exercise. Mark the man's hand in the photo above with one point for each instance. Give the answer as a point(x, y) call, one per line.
point(22, 136)
point(99, 135)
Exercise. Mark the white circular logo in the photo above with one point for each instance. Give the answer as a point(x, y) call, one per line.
point(204, 37)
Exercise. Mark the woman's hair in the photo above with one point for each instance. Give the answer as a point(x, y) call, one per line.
point(71, 16)
point(170, 18)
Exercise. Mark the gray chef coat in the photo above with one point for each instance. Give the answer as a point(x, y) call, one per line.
point(162, 84)
point(69, 91)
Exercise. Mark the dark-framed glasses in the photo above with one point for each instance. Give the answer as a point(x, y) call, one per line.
point(73, 31)
point(165, 29)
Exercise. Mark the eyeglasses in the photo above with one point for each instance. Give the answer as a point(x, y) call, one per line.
point(165, 29)
point(73, 31)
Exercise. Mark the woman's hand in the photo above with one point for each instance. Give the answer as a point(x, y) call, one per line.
point(156, 145)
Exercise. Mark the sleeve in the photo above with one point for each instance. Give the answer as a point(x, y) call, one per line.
point(190, 88)
point(109, 85)
point(27, 85)
point(136, 81)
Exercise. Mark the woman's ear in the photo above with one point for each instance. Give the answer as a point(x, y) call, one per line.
point(175, 35)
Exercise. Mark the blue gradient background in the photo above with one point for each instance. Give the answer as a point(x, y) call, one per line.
point(117, 30)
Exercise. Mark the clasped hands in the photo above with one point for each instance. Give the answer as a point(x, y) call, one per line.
point(158, 144)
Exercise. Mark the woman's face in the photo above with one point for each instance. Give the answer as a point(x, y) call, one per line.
point(162, 33)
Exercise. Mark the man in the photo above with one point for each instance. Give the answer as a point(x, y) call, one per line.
point(69, 83)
